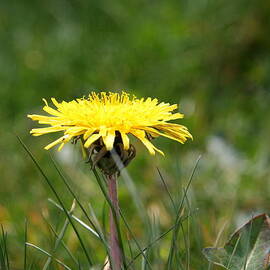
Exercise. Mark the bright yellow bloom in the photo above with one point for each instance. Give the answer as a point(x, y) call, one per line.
point(107, 115)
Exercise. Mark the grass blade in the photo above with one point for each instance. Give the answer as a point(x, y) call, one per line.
point(90, 262)
point(178, 219)
point(135, 240)
point(62, 242)
point(60, 237)
point(100, 235)
point(49, 255)
point(132, 190)
point(167, 189)
point(95, 220)
point(25, 246)
point(4, 259)
point(155, 241)
point(75, 218)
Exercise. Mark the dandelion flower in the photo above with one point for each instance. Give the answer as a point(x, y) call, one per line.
point(108, 119)
point(104, 123)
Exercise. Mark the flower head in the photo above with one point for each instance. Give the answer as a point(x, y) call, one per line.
point(111, 117)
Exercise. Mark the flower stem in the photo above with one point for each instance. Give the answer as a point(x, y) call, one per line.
point(115, 250)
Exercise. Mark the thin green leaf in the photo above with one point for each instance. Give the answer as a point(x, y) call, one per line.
point(178, 219)
point(75, 218)
point(58, 198)
point(134, 238)
point(62, 243)
point(4, 259)
point(25, 246)
point(153, 243)
point(167, 189)
point(49, 255)
point(63, 178)
point(60, 237)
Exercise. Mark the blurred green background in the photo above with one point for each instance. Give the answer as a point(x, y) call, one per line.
point(210, 56)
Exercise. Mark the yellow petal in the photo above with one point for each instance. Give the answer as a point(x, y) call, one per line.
point(36, 134)
point(61, 146)
point(38, 117)
point(46, 130)
point(55, 102)
point(177, 136)
point(60, 140)
point(88, 133)
point(75, 131)
point(125, 140)
point(175, 116)
point(42, 119)
point(151, 148)
point(159, 151)
point(45, 101)
point(51, 111)
point(91, 139)
point(109, 139)
point(174, 130)
point(148, 145)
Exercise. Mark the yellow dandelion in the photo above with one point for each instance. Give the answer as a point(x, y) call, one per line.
point(106, 116)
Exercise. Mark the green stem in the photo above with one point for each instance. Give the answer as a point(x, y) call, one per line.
point(115, 251)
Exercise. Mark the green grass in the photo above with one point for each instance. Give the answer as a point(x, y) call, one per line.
point(211, 57)
point(142, 253)
point(74, 227)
